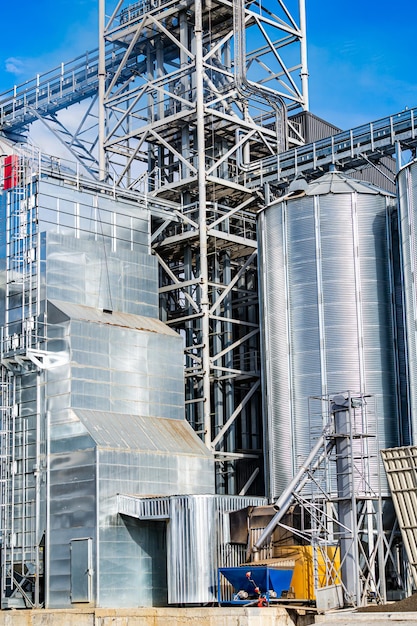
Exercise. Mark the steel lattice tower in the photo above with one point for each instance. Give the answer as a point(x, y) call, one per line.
point(184, 110)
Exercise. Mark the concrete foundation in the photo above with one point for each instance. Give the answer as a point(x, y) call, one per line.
point(352, 618)
point(221, 616)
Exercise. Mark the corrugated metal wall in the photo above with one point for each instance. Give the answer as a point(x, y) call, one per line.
point(313, 128)
point(116, 425)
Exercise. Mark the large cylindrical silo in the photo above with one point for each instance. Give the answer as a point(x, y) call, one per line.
point(407, 210)
point(327, 315)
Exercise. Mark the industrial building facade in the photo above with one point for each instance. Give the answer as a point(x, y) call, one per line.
point(95, 388)
point(142, 408)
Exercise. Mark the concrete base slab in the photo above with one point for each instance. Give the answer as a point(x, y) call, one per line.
point(352, 618)
point(221, 616)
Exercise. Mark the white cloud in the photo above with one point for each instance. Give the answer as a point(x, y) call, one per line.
point(15, 66)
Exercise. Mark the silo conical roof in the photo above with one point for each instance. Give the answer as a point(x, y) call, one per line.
point(337, 182)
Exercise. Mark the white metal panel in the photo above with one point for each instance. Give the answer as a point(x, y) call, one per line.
point(401, 469)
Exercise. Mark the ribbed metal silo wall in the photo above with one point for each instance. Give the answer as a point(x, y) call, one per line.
point(275, 347)
point(407, 190)
point(327, 318)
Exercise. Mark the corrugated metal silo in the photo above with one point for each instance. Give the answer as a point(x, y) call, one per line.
point(407, 188)
point(327, 313)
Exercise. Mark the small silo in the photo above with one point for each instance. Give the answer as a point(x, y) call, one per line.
point(407, 211)
point(327, 318)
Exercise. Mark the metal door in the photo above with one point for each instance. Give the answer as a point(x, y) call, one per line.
point(81, 569)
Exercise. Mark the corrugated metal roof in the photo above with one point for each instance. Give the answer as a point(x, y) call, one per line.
point(120, 431)
point(115, 318)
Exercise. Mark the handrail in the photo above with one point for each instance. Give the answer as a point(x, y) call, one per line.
point(55, 89)
point(378, 137)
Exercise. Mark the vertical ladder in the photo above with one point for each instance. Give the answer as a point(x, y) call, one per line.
point(7, 472)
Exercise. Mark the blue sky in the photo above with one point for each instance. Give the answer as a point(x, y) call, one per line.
point(362, 59)
point(362, 53)
point(36, 36)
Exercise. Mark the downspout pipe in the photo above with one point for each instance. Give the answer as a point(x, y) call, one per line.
point(296, 485)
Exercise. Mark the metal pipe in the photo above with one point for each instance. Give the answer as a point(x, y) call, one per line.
point(101, 92)
point(204, 303)
point(303, 52)
point(295, 486)
point(245, 87)
point(48, 508)
point(96, 548)
point(40, 429)
point(38, 477)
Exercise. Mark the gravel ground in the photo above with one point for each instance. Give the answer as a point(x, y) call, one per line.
point(406, 605)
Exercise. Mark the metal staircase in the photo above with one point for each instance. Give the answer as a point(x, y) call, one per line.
point(341, 509)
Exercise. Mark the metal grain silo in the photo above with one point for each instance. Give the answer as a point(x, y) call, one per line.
point(407, 191)
point(326, 314)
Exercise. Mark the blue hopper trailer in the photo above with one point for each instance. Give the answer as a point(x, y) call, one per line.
point(252, 585)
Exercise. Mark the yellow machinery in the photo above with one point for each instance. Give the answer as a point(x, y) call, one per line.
point(324, 564)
